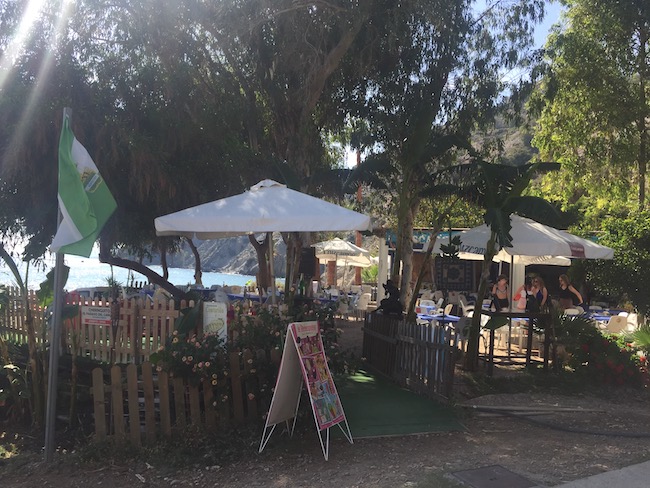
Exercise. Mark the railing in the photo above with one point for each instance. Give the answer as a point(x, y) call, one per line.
point(140, 328)
point(167, 405)
point(420, 357)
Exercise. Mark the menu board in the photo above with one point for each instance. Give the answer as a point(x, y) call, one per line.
point(215, 319)
point(325, 401)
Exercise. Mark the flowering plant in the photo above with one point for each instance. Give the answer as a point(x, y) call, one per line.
point(193, 357)
point(610, 360)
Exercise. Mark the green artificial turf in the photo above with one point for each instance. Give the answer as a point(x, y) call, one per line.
point(376, 407)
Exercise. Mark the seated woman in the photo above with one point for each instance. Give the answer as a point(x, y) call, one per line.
point(500, 292)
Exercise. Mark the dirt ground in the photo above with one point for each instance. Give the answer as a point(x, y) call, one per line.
point(569, 437)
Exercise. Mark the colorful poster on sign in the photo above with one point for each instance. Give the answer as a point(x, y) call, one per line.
point(95, 315)
point(215, 319)
point(325, 401)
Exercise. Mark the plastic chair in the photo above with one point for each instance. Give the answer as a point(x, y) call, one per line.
point(438, 295)
point(361, 307)
point(571, 311)
point(616, 324)
point(632, 322)
point(465, 307)
point(448, 309)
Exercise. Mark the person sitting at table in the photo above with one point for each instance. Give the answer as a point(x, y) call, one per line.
point(568, 295)
point(540, 292)
point(391, 304)
point(500, 292)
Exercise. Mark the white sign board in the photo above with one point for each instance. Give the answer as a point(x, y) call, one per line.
point(95, 315)
point(304, 363)
point(215, 319)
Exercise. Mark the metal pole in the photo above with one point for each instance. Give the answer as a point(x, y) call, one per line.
point(55, 342)
point(269, 236)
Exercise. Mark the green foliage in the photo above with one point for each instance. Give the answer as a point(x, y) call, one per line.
point(627, 274)
point(369, 274)
point(45, 293)
point(255, 328)
point(608, 360)
point(188, 319)
point(452, 248)
point(642, 337)
point(195, 358)
point(590, 102)
point(597, 358)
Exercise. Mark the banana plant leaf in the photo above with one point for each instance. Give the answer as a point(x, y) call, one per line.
point(495, 323)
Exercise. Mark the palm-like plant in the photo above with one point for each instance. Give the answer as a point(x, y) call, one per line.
point(499, 190)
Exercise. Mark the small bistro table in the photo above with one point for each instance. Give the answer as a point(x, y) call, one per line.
point(519, 314)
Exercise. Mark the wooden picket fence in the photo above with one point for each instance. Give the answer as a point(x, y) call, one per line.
point(425, 358)
point(13, 324)
point(140, 327)
point(419, 357)
point(140, 404)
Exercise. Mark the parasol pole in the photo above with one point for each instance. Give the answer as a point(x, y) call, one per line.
point(55, 343)
point(269, 236)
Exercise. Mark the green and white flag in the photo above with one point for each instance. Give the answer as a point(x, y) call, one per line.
point(84, 199)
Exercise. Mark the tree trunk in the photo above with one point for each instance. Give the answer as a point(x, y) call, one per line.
point(471, 358)
point(106, 257)
point(410, 312)
point(198, 273)
point(262, 251)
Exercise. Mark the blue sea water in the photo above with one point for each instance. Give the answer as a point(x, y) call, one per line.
point(89, 272)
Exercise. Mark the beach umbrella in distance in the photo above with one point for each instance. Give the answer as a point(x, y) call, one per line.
point(266, 207)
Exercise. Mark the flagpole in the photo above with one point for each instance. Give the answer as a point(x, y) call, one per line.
point(55, 344)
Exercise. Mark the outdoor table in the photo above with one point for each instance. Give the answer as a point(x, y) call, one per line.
point(518, 314)
point(239, 296)
point(441, 318)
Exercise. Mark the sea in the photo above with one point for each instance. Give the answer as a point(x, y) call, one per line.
point(89, 272)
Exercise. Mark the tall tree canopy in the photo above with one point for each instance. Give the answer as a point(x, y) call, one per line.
point(594, 104)
point(423, 98)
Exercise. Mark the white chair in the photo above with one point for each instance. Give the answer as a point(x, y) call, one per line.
point(616, 324)
point(571, 311)
point(465, 307)
point(361, 307)
point(343, 309)
point(448, 308)
point(595, 307)
point(438, 295)
point(632, 322)
point(366, 289)
point(430, 304)
point(426, 295)
point(452, 297)
point(356, 289)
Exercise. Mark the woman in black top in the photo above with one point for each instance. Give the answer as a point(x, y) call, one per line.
point(568, 294)
point(500, 292)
